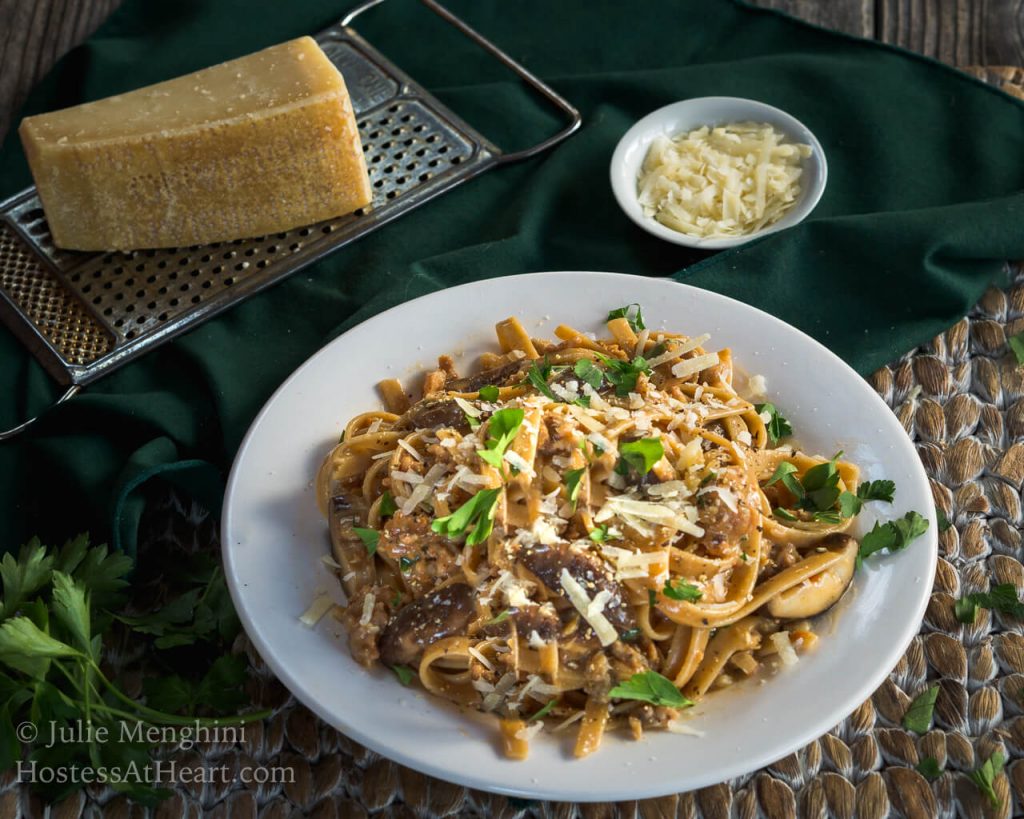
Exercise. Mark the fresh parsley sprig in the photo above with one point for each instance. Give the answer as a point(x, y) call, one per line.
point(650, 686)
point(1002, 598)
point(573, 484)
point(477, 512)
point(893, 536)
point(919, 715)
point(1016, 344)
point(639, 456)
point(635, 319)
point(682, 591)
point(623, 375)
point(776, 426)
point(985, 777)
point(501, 431)
point(56, 611)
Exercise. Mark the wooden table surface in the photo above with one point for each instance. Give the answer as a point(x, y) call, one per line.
point(981, 33)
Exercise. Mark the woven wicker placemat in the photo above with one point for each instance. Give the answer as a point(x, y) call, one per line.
point(961, 399)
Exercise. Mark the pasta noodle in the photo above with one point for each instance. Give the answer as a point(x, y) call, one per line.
point(587, 533)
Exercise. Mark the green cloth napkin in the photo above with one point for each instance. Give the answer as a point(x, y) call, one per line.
point(923, 205)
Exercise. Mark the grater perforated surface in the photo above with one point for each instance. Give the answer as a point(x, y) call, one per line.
point(83, 314)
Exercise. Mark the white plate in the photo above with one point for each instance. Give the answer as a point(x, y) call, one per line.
point(683, 116)
point(274, 537)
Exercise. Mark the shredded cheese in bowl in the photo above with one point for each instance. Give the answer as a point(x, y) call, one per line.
point(730, 180)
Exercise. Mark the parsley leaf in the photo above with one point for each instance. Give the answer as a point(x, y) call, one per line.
point(1017, 346)
point(538, 375)
point(682, 591)
point(776, 426)
point(499, 618)
point(488, 393)
point(1001, 598)
point(650, 686)
point(501, 431)
point(821, 485)
point(477, 512)
point(405, 674)
point(636, 321)
point(543, 712)
point(588, 372)
point(882, 490)
point(944, 523)
point(387, 507)
point(370, 538)
point(985, 777)
point(630, 634)
point(785, 514)
point(919, 714)
point(785, 473)
point(893, 536)
point(929, 768)
point(603, 533)
point(640, 455)
point(623, 375)
point(573, 483)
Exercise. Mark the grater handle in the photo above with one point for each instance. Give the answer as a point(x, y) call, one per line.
point(570, 112)
point(6, 435)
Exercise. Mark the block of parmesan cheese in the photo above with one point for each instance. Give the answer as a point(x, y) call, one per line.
point(257, 145)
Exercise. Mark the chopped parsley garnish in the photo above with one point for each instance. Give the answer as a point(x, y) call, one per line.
point(919, 714)
point(404, 673)
point(650, 686)
point(543, 712)
point(985, 777)
point(636, 320)
point(573, 483)
point(1001, 598)
point(624, 374)
point(682, 591)
point(589, 373)
point(929, 768)
point(776, 426)
point(603, 533)
point(501, 431)
point(818, 491)
point(893, 536)
point(477, 512)
point(396, 600)
point(640, 456)
point(744, 557)
point(652, 598)
point(387, 507)
point(499, 618)
point(630, 634)
point(474, 423)
point(944, 523)
point(406, 563)
point(489, 393)
point(1017, 346)
point(538, 375)
point(851, 504)
point(785, 473)
point(370, 538)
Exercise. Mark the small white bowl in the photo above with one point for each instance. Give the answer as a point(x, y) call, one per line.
point(686, 115)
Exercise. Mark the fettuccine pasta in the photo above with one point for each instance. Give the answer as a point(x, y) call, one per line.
point(586, 535)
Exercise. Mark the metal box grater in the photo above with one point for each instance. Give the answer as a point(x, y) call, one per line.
point(85, 314)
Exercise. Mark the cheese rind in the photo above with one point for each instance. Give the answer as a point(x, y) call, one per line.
point(257, 145)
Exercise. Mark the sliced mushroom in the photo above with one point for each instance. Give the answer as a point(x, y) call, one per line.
point(821, 591)
point(345, 512)
point(547, 562)
point(497, 376)
point(444, 613)
point(431, 413)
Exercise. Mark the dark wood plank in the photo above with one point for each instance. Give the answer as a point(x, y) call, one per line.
point(959, 32)
point(852, 16)
point(34, 34)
